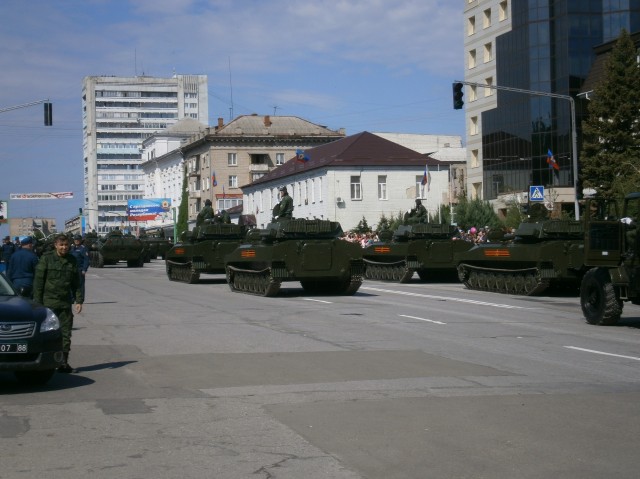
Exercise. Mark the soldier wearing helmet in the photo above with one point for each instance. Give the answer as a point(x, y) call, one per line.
point(206, 213)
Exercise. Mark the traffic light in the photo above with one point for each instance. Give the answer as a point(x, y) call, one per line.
point(458, 93)
point(48, 114)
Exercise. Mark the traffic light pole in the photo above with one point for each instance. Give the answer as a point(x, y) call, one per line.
point(48, 116)
point(574, 136)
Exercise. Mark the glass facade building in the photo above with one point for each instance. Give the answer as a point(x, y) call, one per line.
point(549, 48)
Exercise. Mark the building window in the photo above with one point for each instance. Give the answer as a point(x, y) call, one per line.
point(502, 12)
point(474, 159)
point(471, 25)
point(382, 187)
point(473, 127)
point(421, 190)
point(488, 91)
point(476, 189)
point(232, 159)
point(473, 93)
point(233, 181)
point(279, 159)
point(472, 59)
point(320, 189)
point(356, 188)
point(486, 18)
point(488, 52)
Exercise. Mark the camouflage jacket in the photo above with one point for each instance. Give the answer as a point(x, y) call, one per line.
point(56, 281)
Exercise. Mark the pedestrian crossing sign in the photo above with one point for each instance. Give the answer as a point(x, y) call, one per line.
point(536, 193)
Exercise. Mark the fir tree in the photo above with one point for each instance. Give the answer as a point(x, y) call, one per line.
point(610, 158)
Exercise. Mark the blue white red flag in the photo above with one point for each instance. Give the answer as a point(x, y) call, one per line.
point(551, 160)
point(425, 178)
point(213, 179)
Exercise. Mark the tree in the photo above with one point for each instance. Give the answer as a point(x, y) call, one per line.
point(477, 213)
point(183, 212)
point(363, 226)
point(610, 157)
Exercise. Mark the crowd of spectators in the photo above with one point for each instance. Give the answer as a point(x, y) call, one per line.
point(473, 235)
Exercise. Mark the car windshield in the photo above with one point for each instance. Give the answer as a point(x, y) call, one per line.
point(5, 287)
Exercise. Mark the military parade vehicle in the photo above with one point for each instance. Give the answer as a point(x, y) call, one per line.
point(428, 249)
point(539, 255)
point(203, 251)
point(612, 253)
point(115, 247)
point(309, 251)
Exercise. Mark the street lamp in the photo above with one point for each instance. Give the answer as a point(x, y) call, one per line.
point(574, 136)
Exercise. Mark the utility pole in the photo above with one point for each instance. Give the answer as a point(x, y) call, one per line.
point(574, 136)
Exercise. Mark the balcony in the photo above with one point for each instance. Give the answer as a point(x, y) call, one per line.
point(259, 168)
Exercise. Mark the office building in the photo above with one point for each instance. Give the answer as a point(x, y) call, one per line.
point(119, 113)
point(545, 47)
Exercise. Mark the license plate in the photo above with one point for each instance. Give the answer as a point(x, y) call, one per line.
point(13, 348)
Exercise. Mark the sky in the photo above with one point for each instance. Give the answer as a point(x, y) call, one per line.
point(361, 65)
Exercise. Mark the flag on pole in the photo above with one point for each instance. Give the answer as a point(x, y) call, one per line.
point(551, 160)
point(425, 178)
point(213, 179)
point(301, 156)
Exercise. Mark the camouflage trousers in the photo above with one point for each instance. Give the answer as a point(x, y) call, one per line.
point(65, 315)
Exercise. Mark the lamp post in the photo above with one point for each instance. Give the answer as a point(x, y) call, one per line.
point(574, 136)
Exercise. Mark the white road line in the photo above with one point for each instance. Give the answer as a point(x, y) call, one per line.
point(446, 298)
point(421, 319)
point(603, 353)
point(318, 300)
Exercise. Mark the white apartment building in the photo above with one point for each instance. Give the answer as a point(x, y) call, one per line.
point(484, 21)
point(119, 113)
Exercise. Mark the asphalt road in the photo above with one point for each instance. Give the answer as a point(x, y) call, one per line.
point(398, 381)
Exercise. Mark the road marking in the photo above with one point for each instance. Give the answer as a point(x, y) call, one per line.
point(318, 300)
point(446, 298)
point(603, 353)
point(421, 319)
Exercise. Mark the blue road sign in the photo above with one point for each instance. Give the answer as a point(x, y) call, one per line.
point(536, 193)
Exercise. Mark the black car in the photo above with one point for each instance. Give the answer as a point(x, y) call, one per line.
point(30, 337)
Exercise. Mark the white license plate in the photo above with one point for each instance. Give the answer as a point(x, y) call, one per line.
point(13, 348)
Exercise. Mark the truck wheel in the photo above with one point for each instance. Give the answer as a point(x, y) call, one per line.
point(598, 299)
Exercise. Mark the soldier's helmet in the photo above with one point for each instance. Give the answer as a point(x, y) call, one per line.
point(78, 237)
point(283, 188)
point(207, 202)
point(418, 202)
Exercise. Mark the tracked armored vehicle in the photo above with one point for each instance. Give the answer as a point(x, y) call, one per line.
point(203, 251)
point(155, 246)
point(423, 248)
point(115, 247)
point(308, 251)
point(540, 255)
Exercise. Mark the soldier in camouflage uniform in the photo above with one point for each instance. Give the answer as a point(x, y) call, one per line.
point(56, 286)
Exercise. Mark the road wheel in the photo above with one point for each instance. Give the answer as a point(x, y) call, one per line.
point(598, 299)
point(34, 378)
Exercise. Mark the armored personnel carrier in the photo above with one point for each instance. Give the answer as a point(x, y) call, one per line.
point(115, 247)
point(541, 254)
point(155, 246)
point(202, 250)
point(423, 248)
point(309, 251)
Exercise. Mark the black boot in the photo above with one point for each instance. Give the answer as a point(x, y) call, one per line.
point(64, 367)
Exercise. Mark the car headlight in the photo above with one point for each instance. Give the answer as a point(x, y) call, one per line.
point(51, 322)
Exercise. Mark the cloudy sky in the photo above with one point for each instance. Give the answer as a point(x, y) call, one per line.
point(374, 65)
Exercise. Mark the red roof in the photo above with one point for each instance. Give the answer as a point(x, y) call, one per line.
point(362, 149)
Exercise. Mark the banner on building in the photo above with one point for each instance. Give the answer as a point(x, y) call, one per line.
point(4, 211)
point(41, 196)
point(148, 209)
